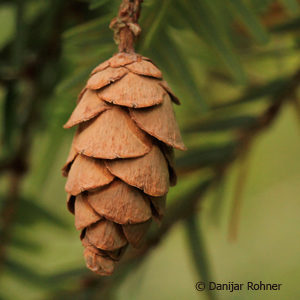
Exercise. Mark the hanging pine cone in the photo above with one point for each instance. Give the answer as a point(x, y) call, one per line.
point(120, 164)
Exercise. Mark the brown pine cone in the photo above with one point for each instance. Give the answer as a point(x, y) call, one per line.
point(120, 165)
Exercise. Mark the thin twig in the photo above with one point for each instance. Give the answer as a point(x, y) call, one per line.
point(125, 25)
point(8, 212)
point(296, 104)
point(199, 253)
point(238, 193)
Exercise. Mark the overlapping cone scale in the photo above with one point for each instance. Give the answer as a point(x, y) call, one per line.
point(159, 121)
point(120, 164)
point(87, 173)
point(148, 172)
point(88, 107)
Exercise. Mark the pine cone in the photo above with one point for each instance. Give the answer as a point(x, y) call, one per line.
point(120, 164)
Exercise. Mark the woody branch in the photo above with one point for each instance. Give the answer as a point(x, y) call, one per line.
point(125, 26)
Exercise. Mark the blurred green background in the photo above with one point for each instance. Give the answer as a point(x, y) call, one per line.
point(235, 67)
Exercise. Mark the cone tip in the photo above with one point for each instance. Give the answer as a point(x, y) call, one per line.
point(98, 264)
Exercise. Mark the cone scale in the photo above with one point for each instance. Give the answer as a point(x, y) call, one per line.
point(120, 166)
